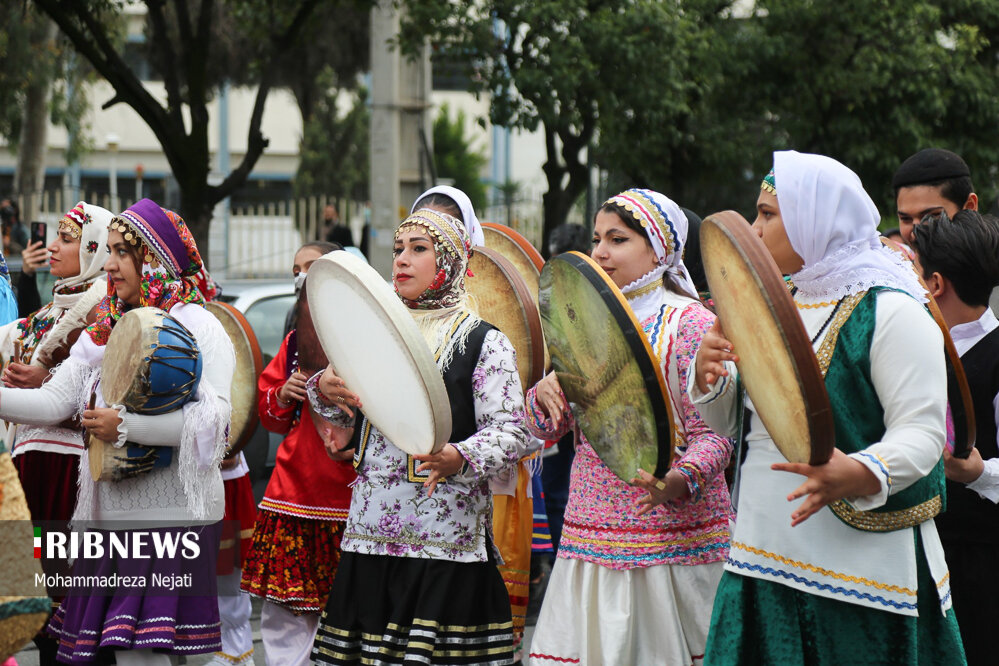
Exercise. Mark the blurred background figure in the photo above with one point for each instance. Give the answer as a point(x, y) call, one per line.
point(336, 232)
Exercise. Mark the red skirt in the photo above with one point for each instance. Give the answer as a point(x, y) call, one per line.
point(292, 560)
point(237, 525)
point(49, 482)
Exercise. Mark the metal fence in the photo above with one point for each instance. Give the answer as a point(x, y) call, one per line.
point(260, 241)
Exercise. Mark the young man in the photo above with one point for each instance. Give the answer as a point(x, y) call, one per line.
point(958, 261)
point(931, 181)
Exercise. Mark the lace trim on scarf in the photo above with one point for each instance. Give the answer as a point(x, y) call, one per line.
point(446, 330)
point(823, 282)
point(645, 303)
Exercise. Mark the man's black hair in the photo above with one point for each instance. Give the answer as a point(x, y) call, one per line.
point(964, 250)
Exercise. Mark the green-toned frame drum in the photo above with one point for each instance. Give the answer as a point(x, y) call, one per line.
point(777, 364)
point(606, 367)
point(502, 298)
point(249, 365)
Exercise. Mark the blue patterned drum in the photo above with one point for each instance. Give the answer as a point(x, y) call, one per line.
point(152, 365)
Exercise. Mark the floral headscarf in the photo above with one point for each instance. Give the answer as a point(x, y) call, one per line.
point(89, 223)
point(170, 264)
point(451, 247)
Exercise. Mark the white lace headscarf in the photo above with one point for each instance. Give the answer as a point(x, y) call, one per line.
point(832, 224)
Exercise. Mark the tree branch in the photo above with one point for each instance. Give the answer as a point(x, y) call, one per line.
point(256, 142)
point(170, 80)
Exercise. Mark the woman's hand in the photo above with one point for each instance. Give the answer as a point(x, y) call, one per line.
point(21, 375)
point(442, 464)
point(293, 389)
point(671, 487)
point(715, 350)
point(963, 470)
point(841, 477)
point(335, 392)
point(335, 439)
point(33, 257)
point(550, 398)
point(102, 423)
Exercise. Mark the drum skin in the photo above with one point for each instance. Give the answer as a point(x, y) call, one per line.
point(606, 367)
point(375, 346)
point(501, 297)
point(152, 364)
point(249, 365)
point(777, 364)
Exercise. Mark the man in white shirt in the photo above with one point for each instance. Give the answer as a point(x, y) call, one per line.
point(959, 260)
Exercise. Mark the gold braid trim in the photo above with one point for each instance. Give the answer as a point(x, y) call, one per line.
point(887, 521)
point(642, 291)
point(825, 352)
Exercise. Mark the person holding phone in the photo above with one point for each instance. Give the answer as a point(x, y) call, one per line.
point(47, 457)
point(33, 256)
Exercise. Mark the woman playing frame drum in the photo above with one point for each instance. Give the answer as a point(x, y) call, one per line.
point(417, 580)
point(152, 261)
point(633, 583)
point(855, 574)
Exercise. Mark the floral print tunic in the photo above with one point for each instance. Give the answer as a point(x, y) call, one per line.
point(390, 513)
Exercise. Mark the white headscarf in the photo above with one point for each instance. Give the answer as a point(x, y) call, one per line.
point(832, 224)
point(666, 227)
point(472, 224)
point(91, 224)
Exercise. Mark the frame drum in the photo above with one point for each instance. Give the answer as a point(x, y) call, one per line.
point(777, 364)
point(375, 346)
point(525, 258)
point(249, 365)
point(501, 297)
point(607, 369)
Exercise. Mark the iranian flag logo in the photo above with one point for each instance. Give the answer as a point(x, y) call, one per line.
point(38, 543)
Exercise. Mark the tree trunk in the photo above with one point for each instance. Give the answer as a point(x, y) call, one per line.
point(196, 208)
point(29, 176)
point(558, 200)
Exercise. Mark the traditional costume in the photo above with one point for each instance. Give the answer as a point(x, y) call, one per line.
point(864, 579)
point(630, 589)
point(184, 496)
point(296, 540)
point(967, 532)
point(418, 578)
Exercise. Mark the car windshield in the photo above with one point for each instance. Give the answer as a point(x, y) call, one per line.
point(267, 317)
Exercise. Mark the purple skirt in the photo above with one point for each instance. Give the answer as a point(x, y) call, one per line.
point(103, 617)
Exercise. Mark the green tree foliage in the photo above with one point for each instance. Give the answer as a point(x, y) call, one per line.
point(455, 157)
point(184, 35)
point(28, 58)
point(691, 97)
point(335, 154)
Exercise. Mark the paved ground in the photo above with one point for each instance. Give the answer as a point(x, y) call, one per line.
point(29, 655)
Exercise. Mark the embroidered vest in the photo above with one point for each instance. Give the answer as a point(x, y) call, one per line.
point(458, 382)
point(969, 517)
point(859, 418)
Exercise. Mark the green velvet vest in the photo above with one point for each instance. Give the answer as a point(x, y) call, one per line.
point(844, 357)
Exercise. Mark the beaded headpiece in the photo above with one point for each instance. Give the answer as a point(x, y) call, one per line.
point(452, 248)
point(769, 184)
point(170, 263)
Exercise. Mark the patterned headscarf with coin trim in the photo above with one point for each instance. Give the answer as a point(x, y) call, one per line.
point(452, 247)
point(170, 264)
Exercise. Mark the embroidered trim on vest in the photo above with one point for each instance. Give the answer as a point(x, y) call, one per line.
point(887, 521)
point(417, 541)
point(363, 444)
point(825, 352)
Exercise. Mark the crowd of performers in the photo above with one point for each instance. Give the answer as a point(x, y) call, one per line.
point(362, 553)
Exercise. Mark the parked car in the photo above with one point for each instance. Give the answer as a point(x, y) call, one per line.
point(265, 304)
